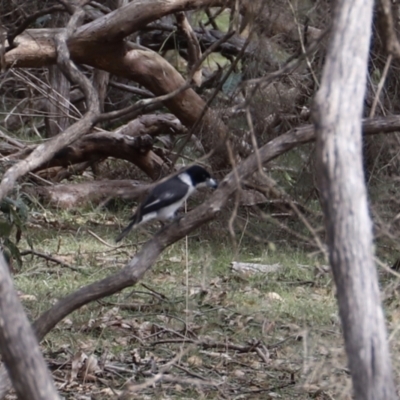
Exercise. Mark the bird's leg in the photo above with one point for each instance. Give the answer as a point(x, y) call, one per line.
point(178, 218)
point(163, 225)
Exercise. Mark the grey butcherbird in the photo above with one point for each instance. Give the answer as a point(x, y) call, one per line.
point(166, 197)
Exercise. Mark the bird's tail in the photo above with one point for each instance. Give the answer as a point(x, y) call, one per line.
point(134, 221)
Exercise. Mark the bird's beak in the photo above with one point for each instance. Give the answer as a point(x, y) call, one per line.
point(212, 183)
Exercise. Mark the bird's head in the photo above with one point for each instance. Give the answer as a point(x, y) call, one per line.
point(200, 176)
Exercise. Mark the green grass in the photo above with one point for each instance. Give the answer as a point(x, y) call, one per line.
point(291, 312)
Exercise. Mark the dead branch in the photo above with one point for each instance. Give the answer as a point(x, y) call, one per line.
point(100, 82)
point(140, 104)
point(45, 152)
point(156, 36)
point(58, 97)
point(132, 89)
point(49, 258)
point(14, 142)
point(194, 51)
point(130, 18)
point(58, 174)
point(212, 345)
point(97, 146)
point(153, 125)
point(132, 142)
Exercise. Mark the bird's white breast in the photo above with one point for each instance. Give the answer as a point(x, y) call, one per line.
point(169, 211)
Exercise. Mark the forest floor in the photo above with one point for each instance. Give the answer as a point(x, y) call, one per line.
point(194, 328)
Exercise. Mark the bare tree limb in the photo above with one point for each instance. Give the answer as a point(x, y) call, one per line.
point(194, 51)
point(132, 142)
point(97, 146)
point(49, 258)
point(124, 21)
point(132, 89)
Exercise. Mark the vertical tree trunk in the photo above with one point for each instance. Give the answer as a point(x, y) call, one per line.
point(100, 83)
point(337, 118)
point(19, 347)
point(59, 94)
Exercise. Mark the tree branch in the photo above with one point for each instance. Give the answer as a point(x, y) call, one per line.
point(126, 20)
point(144, 260)
point(194, 51)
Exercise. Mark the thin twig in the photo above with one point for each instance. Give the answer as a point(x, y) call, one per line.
point(161, 295)
point(50, 258)
point(380, 85)
point(102, 240)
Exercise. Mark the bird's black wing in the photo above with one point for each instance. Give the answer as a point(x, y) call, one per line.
point(163, 195)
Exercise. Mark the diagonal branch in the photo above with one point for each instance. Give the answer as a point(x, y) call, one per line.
point(124, 21)
point(143, 261)
point(194, 50)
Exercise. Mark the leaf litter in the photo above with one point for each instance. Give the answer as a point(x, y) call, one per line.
point(224, 336)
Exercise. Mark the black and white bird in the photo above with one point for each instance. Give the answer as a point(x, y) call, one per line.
point(166, 197)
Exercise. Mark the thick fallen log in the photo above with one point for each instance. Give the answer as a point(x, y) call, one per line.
point(253, 268)
point(132, 142)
